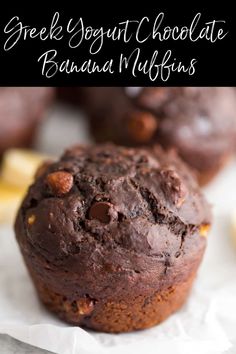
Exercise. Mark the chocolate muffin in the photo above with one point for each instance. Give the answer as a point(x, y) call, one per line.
point(21, 110)
point(113, 236)
point(69, 95)
point(200, 122)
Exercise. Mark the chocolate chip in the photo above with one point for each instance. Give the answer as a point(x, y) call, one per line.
point(102, 211)
point(142, 126)
point(60, 182)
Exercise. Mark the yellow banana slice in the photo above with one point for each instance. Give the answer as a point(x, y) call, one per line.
point(10, 199)
point(19, 166)
point(17, 173)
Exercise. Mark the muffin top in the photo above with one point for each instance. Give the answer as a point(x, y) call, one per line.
point(115, 210)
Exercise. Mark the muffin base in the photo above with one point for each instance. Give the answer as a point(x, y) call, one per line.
point(110, 315)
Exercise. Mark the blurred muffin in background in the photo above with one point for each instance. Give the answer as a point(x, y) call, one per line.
point(21, 111)
point(199, 122)
point(69, 95)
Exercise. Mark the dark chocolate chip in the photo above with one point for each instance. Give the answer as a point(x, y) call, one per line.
point(101, 211)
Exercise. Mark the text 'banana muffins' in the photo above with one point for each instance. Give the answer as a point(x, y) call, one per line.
point(113, 236)
point(200, 122)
